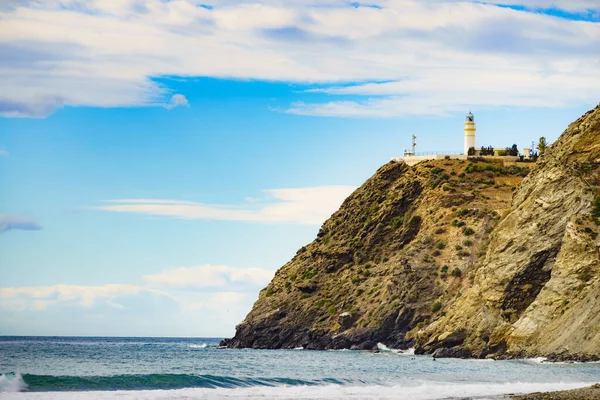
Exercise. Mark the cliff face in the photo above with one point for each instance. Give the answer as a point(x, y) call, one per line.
point(395, 256)
point(538, 290)
point(443, 256)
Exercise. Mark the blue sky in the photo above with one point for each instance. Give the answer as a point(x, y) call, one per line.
point(160, 160)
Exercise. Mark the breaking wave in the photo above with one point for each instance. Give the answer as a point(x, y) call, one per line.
point(12, 383)
point(50, 383)
point(230, 388)
point(383, 348)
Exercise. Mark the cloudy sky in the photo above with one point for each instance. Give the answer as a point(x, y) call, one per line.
point(159, 160)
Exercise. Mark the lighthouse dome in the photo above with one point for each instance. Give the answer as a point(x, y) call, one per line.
point(470, 117)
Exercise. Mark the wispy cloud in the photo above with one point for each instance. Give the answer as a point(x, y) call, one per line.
point(228, 297)
point(177, 100)
point(567, 5)
point(4, 153)
point(9, 222)
point(311, 205)
point(160, 304)
point(125, 296)
point(42, 297)
point(211, 276)
point(438, 56)
point(439, 92)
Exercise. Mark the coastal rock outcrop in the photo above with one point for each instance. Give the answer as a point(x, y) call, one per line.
point(457, 258)
point(400, 250)
point(538, 289)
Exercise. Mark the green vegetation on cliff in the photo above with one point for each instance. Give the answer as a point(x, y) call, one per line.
point(538, 291)
point(386, 261)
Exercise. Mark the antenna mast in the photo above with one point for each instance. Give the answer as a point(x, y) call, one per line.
point(414, 144)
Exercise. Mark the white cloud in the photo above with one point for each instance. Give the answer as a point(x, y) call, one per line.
point(439, 56)
point(228, 298)
point(41, 297)
point(193, 306)
point(437, 93)
point(158, 306)
point(567, 5)
point(4, 153)
point(135, 297)
point(177, 100)
point(9, 222)
point(311, 205)
point(210, 276)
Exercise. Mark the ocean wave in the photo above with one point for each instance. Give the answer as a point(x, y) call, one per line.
point(12, 383)
point(50, 383)
point(417, 391)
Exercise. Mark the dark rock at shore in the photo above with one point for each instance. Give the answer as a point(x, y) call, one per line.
point(455, 352)
point(566, 357)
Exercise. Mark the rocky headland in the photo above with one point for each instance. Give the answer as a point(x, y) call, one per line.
point(455, 258)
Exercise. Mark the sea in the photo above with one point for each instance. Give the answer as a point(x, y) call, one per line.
point(196, 368)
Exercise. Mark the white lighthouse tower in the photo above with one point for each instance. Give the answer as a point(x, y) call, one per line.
point(469, 132)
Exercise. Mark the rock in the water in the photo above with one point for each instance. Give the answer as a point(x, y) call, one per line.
point(455, 352)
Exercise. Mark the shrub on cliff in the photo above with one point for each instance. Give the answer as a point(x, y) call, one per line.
point(416, 220)
point(596, 211)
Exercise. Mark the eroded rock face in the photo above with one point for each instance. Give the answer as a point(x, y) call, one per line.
point(394, 257)
point(442, 255)
point(538, 290)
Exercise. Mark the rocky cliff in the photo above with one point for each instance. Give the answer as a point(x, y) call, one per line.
point(398, 252)
point(443, 256)
point(538, 289)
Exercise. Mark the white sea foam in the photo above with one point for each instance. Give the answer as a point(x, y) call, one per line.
point(12, 383)
point(536, 360)
point(408, 352)
point(422, 391)
point(198, 346)
point(383, 348)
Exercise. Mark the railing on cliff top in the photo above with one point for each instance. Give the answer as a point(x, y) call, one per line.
point(433, 153)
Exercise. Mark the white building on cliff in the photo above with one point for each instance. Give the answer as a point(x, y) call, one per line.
point(412, 157)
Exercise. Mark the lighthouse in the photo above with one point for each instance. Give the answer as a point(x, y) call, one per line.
point(469, 132)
